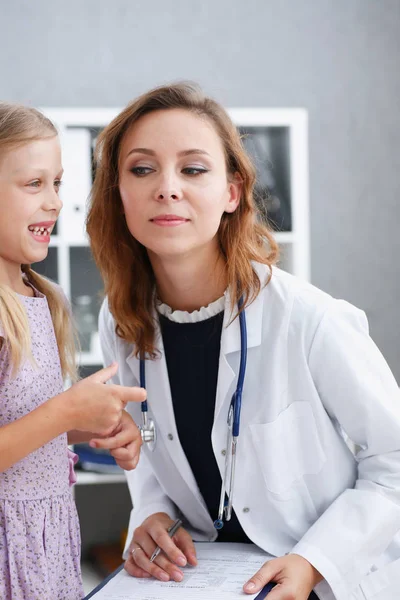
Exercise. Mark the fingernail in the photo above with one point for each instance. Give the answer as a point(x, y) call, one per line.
point(181, 561)
point(164, 576)
point(92, 444)
point(250, 586)
point(177, 576)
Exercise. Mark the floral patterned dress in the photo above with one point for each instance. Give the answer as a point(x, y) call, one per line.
point(39, 527)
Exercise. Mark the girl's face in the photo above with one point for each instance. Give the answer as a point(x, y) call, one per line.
point(174, 184)
point(30, 178)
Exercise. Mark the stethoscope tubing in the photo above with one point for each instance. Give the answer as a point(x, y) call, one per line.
point(237, 397)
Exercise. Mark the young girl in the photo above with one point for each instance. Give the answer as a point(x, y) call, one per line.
point(39, 530)
point(175, 188)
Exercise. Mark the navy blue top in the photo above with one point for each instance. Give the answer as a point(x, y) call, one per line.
point(192, 355)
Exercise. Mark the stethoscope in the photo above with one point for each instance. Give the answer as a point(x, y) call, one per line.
point(149, 433)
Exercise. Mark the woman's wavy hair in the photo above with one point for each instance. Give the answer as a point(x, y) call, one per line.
point(20, 125)
point(123, 262)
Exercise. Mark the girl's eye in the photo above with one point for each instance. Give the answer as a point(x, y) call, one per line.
point(141, 171)
point(35, 183)
point(194, 170)
point(57, 184)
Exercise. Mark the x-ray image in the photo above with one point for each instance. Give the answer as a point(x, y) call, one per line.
point(269, 149)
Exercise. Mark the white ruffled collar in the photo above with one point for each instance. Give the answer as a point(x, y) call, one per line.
point(201, 314)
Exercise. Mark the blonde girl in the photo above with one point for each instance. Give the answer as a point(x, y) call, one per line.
point(39, 529)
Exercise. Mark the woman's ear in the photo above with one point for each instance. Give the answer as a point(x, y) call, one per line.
point(235, 186)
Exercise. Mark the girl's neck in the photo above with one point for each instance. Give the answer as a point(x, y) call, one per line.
point(11, 276)
point(187, 284)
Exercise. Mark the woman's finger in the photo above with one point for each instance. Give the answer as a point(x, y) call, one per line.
point(184, 541)
point(131, 567)
point(121, 439)
point(168, 545)
point(127, 452)
point(149, 538)
point(128, 465)
point(142, 560)
point(169, 567)
point(263, 576)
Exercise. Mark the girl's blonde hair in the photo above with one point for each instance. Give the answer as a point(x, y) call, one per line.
point(123, 261)
point(21, 125)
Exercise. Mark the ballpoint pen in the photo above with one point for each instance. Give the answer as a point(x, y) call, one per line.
point(171, 532)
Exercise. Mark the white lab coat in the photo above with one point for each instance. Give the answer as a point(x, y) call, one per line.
point(312, 374)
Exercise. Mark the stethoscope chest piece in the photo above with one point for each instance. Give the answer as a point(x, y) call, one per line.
point(148, 432)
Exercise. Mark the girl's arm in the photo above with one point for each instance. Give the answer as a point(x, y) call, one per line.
point(23, 436)
point(88, 405)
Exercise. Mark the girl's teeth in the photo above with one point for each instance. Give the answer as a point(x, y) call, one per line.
point(39, 230)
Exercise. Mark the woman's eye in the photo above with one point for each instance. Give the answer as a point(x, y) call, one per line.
point(57, 184)
point(194, 170)
point(35, 183)
point(140, 171)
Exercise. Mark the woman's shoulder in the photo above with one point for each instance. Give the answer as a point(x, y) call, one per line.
point(279, 286)
point(302, 304)
point(106, 320)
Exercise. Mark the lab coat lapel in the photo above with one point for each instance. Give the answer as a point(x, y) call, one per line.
point(230, 351)
point(161, 408)
point(157, 386)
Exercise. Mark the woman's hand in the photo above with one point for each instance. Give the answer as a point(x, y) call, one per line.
point(124, 443)
point(294, 576)
point(176, 551)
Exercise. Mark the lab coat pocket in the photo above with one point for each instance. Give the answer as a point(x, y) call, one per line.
point(383, 584)
point(288, 448)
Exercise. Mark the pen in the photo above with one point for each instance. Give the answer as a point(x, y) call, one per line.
point(171, 532)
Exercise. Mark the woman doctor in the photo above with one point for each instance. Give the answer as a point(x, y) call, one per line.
point(174, 231)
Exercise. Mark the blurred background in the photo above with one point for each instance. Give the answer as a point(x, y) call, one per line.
point(337, 59)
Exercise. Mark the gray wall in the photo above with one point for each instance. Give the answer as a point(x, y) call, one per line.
point(337, 58)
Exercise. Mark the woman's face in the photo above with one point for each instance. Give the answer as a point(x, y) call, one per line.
point(173, 183)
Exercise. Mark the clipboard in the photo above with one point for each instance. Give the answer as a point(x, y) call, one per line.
point(267, 588)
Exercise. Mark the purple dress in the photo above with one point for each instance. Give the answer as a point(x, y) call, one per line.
point(39, 527)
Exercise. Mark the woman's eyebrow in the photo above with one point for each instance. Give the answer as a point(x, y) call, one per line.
point(141, 151)
point(192, 151)
point(150, 152)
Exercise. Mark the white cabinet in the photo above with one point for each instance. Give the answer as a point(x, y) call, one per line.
point(277, 140)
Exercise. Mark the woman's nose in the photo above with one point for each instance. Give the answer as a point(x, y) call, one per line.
point(167, 195)
point(168, 190)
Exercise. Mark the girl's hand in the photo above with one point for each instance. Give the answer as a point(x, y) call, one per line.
point(294, 576)
point(89, 405)
point(124, 443)
point(178, 550)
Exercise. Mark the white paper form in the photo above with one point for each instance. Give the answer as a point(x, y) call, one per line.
point(222, 570)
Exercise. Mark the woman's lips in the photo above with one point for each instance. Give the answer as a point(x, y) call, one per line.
point(169, 220)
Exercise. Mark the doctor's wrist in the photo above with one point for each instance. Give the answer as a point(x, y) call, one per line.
point(315, 576)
